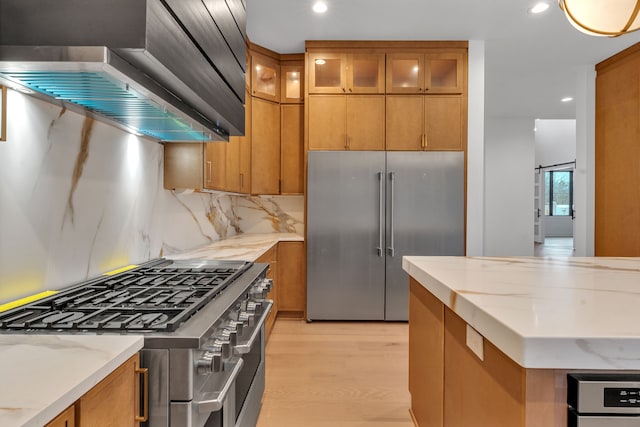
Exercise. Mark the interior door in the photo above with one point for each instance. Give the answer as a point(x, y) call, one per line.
point(345, 221)
point(538, 207)
point(425, 216)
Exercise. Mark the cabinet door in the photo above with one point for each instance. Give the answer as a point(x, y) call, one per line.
point(327, 72)
point(365, 73)
point(405, 122)
point(265, 147)
point(444, 72)
point(292, 289)
point(183, 165)
point(292, 149)
point(215, 165)
point(265, 77)
point(443, 122)
point(232, 165)
point(245, 149)
point(292, 86)
point(66, 419)
point(114, 401)
point(405, 73)
point(365, 122)
point(327, 122)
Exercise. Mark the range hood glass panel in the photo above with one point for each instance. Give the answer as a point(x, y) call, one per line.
point(101, 94)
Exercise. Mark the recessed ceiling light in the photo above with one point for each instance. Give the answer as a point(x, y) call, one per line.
point(320, 62)
point(539, 7)
point(320, 7)
point(567, 99)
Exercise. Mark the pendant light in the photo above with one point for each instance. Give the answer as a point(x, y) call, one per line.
point(603, 17)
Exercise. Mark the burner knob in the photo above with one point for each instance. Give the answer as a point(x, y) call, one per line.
point(254, 307)
point(237, 326)
point(267, 284)
point(247, 317)
point(230, 336)
point(209, 362)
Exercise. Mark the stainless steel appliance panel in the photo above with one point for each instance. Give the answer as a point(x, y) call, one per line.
point(345, 221)
point(425, 216)
point(604, 421)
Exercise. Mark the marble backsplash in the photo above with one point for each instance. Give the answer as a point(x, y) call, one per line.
point(79, 197)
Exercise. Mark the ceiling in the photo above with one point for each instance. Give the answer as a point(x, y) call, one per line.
point(531, 61)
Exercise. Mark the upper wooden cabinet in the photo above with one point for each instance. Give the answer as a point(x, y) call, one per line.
point(265, 77)
point(346, 73)
point(345, 122)
point(427, 73)
point(292, 82)
point(419, 123)
point(265, 147)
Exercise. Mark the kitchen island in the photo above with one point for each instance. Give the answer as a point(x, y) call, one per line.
point(492, 339)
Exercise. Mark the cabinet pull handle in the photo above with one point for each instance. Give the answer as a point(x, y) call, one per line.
point(242, 181)
point(343, 90)
point(145, 393)
point(208, 171)
point(426, 141)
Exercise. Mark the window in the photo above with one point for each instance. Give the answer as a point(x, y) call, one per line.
point(559, 193)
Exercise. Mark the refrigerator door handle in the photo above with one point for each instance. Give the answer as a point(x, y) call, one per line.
point(391, 250)
point(381, 213)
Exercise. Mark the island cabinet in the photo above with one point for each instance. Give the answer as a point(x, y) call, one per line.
point(114, 401)
point(453, 386)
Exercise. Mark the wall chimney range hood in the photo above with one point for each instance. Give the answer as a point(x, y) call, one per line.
point(173, 70)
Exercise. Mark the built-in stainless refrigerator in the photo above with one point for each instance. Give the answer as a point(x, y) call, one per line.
point(365, 211)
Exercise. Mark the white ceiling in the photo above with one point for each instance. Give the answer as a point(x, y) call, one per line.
point(531, 61)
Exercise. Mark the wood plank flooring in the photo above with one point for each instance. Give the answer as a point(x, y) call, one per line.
point(339, 374)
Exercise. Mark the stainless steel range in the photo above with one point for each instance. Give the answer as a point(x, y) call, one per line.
point(203, 327)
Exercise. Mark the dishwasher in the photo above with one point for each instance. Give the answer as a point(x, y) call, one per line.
point(603, 400)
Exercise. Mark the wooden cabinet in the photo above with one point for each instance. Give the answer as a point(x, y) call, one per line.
point(346, 122)
point(265, 75)
point(114, 401)
point(66, 419)
point(346, 72)
point(292, 82)
point(271, 257)
point(292, 290)
point(215, 156)
point(265, 147)
point(434, 73)
point(425, 122)
point(184, 165)
point(292, 152)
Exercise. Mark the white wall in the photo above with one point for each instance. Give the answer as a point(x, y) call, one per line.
point(475, 150)
point(509, 164)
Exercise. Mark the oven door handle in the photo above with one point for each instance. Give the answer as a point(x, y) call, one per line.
point(246, 347)
point(214, 401)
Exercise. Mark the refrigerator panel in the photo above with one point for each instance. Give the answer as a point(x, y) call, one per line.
point(425, 216)
point(345, 271)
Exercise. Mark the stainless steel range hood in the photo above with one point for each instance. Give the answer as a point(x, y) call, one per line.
point(170, 69)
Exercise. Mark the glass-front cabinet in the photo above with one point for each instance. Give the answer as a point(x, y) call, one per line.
point(265, 77)
point(438, 73)
point(350, 73)
point(292, 87)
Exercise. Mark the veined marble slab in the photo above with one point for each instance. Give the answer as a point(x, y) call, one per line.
point(243, 247)
point(42, 375)
point(548, 313)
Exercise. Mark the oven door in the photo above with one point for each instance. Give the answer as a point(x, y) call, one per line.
point(250, 383)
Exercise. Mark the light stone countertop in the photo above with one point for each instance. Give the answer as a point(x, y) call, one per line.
point(42, 375)
point(549, 313)
point(242, 247)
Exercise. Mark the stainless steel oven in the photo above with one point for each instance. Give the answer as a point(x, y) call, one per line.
point(603, 400)
point(203, 327)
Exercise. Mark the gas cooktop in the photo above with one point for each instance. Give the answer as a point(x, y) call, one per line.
point(156, 296)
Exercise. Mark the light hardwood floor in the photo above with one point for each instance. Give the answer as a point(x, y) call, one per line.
point(340, 374)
